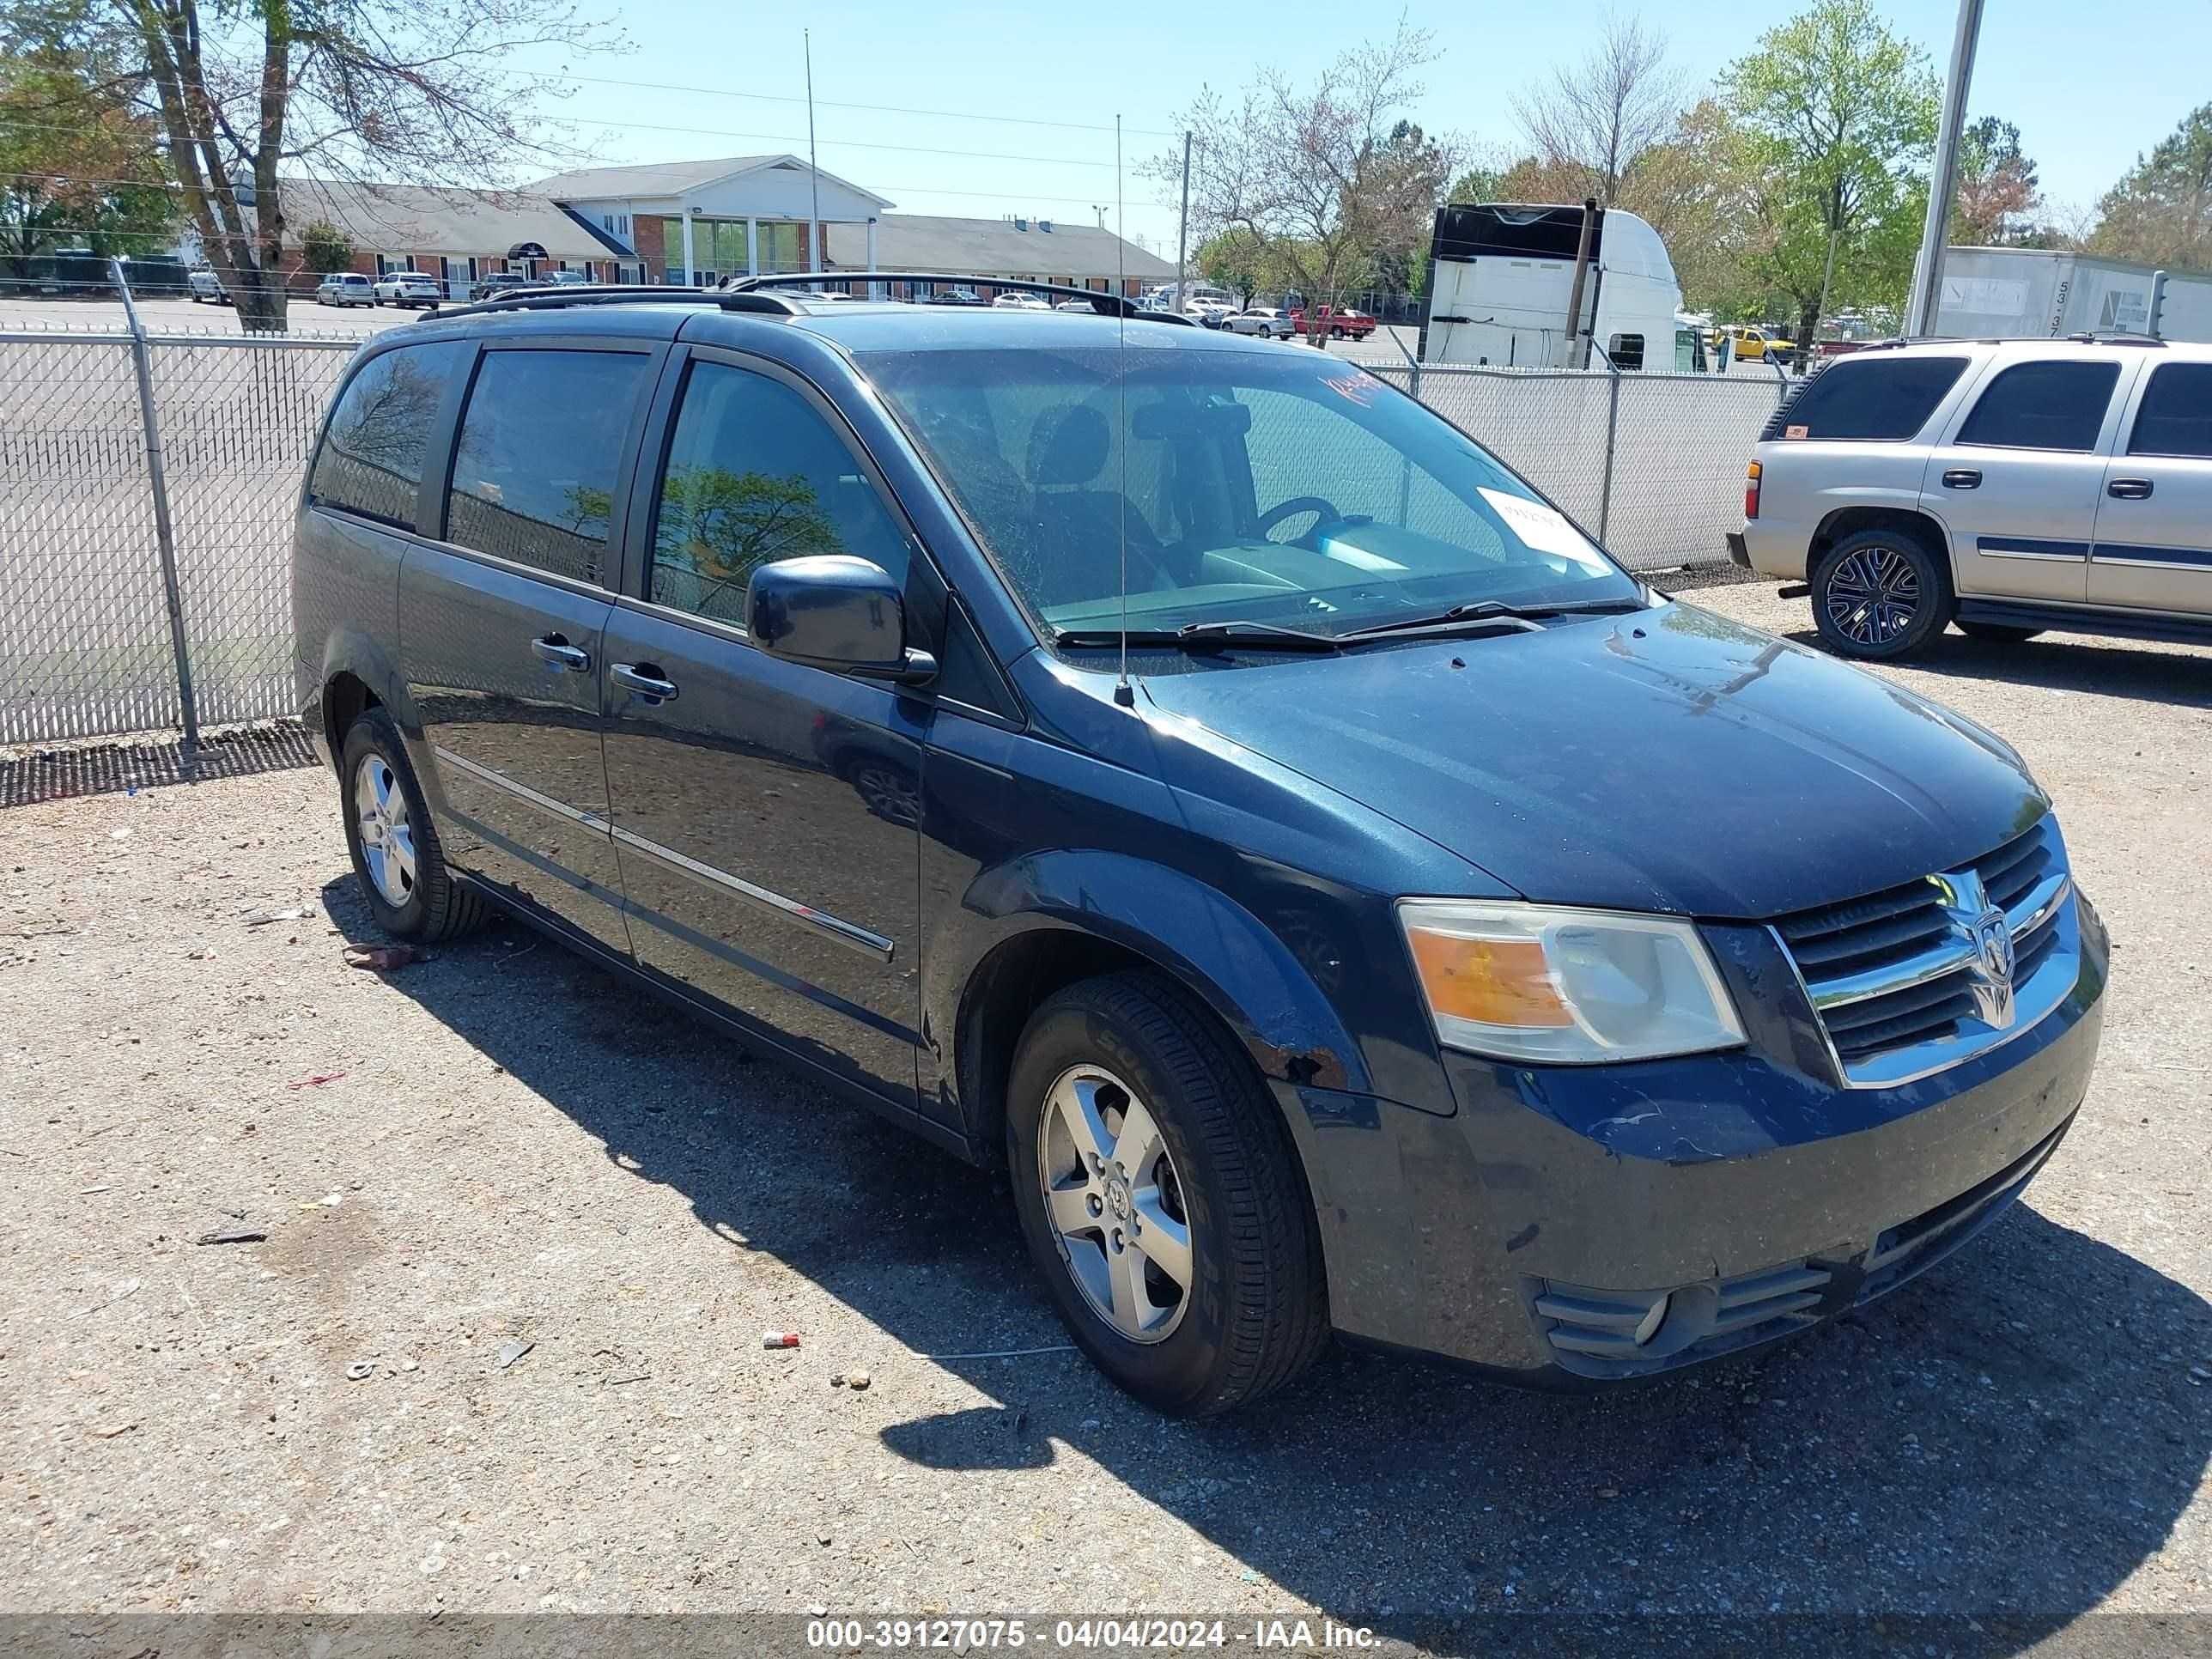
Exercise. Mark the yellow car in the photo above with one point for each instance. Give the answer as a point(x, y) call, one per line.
point(1753, 344)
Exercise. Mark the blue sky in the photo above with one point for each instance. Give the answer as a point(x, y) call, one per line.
point(2085, 104)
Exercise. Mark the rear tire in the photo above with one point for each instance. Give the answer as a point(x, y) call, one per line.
point(1880, 595)
point(1249, 1309)
point(396, 855)
point(1996, 632)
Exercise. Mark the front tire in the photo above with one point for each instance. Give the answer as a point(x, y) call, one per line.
point(1186, 1265)
point(1880, 595)
point(397, 857)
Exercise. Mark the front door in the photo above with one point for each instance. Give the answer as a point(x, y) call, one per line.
point(502, 627)
point(2153, 543)
point(2017, 478)
point(765, 811)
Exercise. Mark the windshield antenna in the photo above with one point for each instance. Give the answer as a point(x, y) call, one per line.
point(1124, 693)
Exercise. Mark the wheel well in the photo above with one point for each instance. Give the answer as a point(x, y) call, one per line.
point(345, 699)
point(1849, 521)
point(1006, 987)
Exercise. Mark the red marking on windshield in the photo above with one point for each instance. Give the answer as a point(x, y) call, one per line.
point(1353, 388)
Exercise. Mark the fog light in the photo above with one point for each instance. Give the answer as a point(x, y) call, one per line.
point(1648, 1328)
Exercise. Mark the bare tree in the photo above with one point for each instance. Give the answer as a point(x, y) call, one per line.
point(1602, 113)
point(358, 91)
point(1321, 180)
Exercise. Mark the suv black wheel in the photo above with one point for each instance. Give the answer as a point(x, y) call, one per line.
point(1880, 595)
point(396, 855)
point(1997, 633)
point(1162, 1199)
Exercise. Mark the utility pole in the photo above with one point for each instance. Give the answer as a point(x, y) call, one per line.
point(1943, 180)
point(813, 173)
point(1182, 228)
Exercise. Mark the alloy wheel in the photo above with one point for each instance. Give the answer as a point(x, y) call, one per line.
point(1873, 596)
point(1116, 1204)
point(387, 839)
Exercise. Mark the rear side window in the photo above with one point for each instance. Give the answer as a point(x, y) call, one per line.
point(541, 444)
point(755, 474)
point(2043, 406)
point(1626, 350)
point(1872, 399)
point(372, 458)
point(2175, 417)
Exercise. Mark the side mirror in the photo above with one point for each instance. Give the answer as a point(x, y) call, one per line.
point(833, 611)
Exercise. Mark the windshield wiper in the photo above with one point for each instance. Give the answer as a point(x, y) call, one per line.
point(1200, 636)
point(1497, 612)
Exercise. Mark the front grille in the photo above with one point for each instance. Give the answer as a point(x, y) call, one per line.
point(1897, 977)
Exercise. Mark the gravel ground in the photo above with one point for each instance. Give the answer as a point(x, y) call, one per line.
point(503, 1147)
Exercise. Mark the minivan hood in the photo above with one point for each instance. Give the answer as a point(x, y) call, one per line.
point(1667, 760)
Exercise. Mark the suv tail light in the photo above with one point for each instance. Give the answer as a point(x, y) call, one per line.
point(1750, 491)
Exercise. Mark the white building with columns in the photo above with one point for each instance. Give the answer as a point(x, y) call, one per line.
point(697, 222)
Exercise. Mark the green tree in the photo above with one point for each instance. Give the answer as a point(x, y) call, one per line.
point(1698, 188)
point(325, 248)
point(1837, 115)
point(2161, 212)
point(366, 92)
point(1997, 193)
point(78, 166)
point(1234, 259)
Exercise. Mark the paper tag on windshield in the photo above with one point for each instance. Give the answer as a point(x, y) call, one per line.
point(1543, 527)
point(1797, 432)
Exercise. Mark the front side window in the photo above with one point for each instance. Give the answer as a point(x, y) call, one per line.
point(1248, 485)
point(2057, 405)
point(756, 474)
point(372, 458)
point(2175, 417)
point(1626, 350)
point(541, 444)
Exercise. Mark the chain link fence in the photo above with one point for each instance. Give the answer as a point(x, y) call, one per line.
point(96, 639)
point(1649, 464)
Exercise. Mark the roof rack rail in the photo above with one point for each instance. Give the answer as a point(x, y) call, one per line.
point(2117, 336)
point(560, 296)
point(1106, 305)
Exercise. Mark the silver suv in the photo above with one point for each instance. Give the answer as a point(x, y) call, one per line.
point(2009, 486)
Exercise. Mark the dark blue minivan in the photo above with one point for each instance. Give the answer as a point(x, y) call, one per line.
point(1188, 770)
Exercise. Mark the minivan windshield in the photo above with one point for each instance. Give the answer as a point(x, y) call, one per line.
point(1272, 486)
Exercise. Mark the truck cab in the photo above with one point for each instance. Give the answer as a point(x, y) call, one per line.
point(1502, 275)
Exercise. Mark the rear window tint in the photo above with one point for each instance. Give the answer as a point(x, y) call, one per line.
point(372, 458)
point(2057, 405)
point(1880, 399)
point(2176, 416)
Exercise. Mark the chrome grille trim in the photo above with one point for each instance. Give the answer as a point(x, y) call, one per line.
point(1894, 1009)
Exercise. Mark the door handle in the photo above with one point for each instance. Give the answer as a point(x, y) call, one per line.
point(554, 649)
point(1962, 477)
point(2128, 489)
point(644, 679)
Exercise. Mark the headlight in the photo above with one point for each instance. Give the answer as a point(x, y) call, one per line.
point(1536, 982)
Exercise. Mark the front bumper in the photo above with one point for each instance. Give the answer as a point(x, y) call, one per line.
point(1574, 1225)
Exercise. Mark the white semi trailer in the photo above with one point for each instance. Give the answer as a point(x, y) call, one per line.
point(2011, 292)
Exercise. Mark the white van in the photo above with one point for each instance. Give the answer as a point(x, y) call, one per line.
point(1502, 273)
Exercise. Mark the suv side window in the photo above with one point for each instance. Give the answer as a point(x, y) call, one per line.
point(755, 474)
point(2175, 415)
point(542, 441)
point(373, 456)
point(1878, 400)
point(2056, 405)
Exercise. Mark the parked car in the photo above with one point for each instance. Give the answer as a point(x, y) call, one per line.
point(1209, 310)
point(406, 288)
point(1435, 934)
point(1753, 344)
point(1266, 321)
point(1338, 322)
point(955, 296)
point(208, 287)
point(2006, 486)
point(345, 288)
point(567, 279)
point(1022, 302)
point(494, 284)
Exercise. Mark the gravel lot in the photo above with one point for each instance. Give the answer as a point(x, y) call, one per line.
point(502, 1146)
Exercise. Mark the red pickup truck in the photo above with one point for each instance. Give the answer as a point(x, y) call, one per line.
point(1339, 324)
